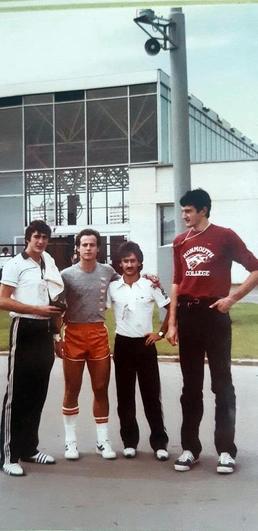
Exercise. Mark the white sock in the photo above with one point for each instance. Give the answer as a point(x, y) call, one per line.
point(70, 427)
point(102, 431)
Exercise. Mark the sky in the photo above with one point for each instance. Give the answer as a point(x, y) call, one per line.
point(222, 51)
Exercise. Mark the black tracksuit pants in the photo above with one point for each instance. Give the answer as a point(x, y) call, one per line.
point(133, 358)
point(203, 330)
point(30, 361)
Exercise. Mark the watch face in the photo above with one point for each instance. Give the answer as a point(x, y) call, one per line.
point(161, 334)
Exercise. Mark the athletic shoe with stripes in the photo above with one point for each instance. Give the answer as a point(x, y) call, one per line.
point(104, 448)
point(226, 463)
point(40, 458)
point(185, 461)
point(13, 469)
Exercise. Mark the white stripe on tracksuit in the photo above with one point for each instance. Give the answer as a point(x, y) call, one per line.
point(8, 405)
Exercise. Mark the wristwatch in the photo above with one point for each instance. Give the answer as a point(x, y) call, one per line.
point(161, 334)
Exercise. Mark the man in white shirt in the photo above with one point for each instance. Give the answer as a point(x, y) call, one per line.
point(132, 298)
point(27, 282)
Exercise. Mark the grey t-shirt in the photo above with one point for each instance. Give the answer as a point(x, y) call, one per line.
point(86, 293)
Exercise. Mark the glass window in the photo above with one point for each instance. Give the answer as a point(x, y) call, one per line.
point(143, 129)
point(145, 88)
point(165, 91)
point(167, 224)
point(118, 207)
point(11, 139)
point(110, 92)
point(108, 195)
point(107, 132)
point(11, 218)
point(38, 98)
point(11, 183)
point(11, 207)
point(192, 139)
point(11, 101)
point(70, 134)
point(38, 136)
point(97, 207)
point(165, 133)
point(71, 200)
point(69, 95)
point(39, 194)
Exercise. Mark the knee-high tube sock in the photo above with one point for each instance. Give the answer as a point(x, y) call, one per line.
point(70, 427)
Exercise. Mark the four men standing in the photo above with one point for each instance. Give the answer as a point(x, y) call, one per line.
point(199, 320)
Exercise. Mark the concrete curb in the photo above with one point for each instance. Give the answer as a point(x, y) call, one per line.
point(175, 359)
point(236, 361)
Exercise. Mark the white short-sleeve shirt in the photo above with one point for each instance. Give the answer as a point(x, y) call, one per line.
point(133, 306)
point(25, 275)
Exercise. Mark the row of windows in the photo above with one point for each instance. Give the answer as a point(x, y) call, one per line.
point(115, 131)
point(209, 141)
point(71, 196)
point(80, 95)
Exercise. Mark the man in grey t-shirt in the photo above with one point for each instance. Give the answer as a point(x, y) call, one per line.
point(86, 341)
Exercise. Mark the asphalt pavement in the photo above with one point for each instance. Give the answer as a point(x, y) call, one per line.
point(141, 494)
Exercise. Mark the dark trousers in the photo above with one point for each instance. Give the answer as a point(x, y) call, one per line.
point(132, 358)
point(204, 330)
point(30, 361)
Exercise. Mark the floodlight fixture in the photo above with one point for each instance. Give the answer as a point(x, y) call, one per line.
point(160, 36)
point(145, 16)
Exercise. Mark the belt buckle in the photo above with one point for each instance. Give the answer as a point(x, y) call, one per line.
point(196, 300)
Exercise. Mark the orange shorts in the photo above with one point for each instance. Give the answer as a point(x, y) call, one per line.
point(86, 341)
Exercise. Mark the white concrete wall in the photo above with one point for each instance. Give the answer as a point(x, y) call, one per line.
point(233, 187)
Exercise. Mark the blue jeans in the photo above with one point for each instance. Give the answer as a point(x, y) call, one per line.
point(206, 331)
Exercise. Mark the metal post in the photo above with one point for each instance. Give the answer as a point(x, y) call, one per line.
point(179, 113)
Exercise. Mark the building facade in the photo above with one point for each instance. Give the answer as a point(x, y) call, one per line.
point(67, 156)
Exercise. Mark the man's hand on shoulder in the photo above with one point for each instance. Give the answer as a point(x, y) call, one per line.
point(153, 278)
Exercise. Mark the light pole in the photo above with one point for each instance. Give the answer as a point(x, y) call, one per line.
point(170, 35)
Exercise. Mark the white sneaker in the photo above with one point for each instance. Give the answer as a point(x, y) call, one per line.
point(162, 454)
point(40, 458)
point(104, 448)
point(13, 469)
point(129, 452)
point(71, 450)
point(226, 463)
point(185, 461)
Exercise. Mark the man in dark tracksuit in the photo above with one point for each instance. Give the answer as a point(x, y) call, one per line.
point(25, 293)
point(199, 319)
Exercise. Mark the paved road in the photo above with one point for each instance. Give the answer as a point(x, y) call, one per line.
point(142, 494)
